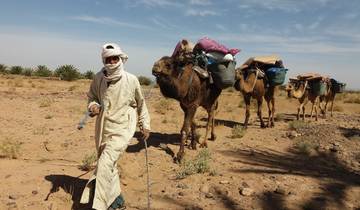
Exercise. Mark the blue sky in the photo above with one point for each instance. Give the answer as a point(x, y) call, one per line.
point(310, 35)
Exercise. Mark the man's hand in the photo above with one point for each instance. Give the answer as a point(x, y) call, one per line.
point(94, 110)
point(145, 134)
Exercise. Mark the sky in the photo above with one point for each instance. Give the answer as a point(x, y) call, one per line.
point(309, 35)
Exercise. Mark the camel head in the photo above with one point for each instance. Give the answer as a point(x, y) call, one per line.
point(163, 67)
point(238, 76)
point(290, 87)
point(294, 86)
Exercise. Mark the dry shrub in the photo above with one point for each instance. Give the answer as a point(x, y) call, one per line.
point(238, 131)
point(297, 124)
point(198, 165)
point(305, 147)
point(10, 149)
point(88, 162)
point(45, 102)
point(41, 131)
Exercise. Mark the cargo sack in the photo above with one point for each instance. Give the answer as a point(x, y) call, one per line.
point(209, 45)
point(338, 87)
point(318, 87)
point(276, 76)
point(223, 74)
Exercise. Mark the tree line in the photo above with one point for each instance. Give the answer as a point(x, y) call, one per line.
point(64, 72)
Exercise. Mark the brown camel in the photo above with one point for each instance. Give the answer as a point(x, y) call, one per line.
point(182, 83)
point(329, 97)
point(300, 90)
point(255, 87)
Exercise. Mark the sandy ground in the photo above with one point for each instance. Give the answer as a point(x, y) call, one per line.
point(264, 165)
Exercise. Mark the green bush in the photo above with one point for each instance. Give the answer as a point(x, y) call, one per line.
point(27, 72)
point(238, 131)
point(67, 73)
point(198, 165)
point(89, 75)
point(16, 70)
point(144, 80)
point(43, 71)
point(3, 69)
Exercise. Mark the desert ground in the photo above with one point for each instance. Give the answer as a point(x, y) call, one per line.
point(295, 165)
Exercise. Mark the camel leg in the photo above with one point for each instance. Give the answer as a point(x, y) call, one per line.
point(188, 118)
point(298, 112)
point(194, 136)
point(325, 109)
point(317, 103)
point(259, 112)
point(302, 107)
point(272, 123)
point(247, 99)
point(331, 108)
point(209, 121)
point(269, 112)
point(213, 135)
point(312, 109)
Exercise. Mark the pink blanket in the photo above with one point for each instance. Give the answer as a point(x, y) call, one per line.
point(209, 45)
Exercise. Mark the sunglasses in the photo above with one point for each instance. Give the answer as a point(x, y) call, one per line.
point(112, 59)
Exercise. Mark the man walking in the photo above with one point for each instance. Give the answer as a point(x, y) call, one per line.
point(116, 99)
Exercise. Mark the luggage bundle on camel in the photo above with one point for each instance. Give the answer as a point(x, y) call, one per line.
point(318, 84)
point(212, 60)
point(269, 67)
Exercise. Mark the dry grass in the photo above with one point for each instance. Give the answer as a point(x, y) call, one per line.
point(18, 82)
point(163, 106)
point(198, 165)
point(88, 162)
point(297, 124)
point(305, 146)
point(238, 131)
point(10, 149)
point(72, 88)
point(45, 102)
point(280, 117)
point(336, 108)
point(349, 97)
point(41, 131)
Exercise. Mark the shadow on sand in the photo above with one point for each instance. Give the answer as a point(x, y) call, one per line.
point(334, 177)
point(71, 185)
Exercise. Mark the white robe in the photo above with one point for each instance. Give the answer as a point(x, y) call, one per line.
point(121, 103)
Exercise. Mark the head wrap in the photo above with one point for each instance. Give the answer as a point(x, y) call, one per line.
point(113, 71)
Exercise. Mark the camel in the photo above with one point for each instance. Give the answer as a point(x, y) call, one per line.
point(329, 97)
point(182, 83)
point(255, 87)
point(300, 90)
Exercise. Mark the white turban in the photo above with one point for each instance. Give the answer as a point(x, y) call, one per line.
point(113, 70)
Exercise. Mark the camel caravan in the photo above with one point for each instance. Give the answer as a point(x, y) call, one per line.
point(196, 74)
point(315, 88)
